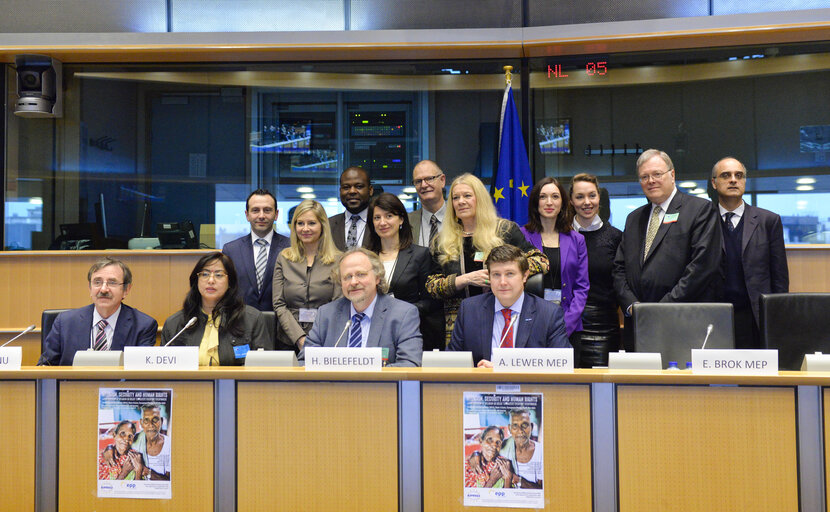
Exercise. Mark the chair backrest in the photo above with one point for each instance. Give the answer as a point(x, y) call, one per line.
point(46, 320)
point(536, 285)
point(674, 329)
point(795, 324)
point(271, 327)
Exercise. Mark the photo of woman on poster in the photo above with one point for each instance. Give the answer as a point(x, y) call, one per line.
point(123, 463)
point(486, 468)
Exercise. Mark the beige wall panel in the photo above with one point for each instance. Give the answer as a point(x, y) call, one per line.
point(707, 448)
point(191, 434)
point(323, 445)
point(566, 439)
point(809, 269)
point(17, 437)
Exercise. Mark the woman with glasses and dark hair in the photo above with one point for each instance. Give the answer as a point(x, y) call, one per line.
point(225, 329)
point(406, 265)
point(549, 229)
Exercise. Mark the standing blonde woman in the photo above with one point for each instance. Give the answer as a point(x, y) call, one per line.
point(471, 229)
point(302, 274)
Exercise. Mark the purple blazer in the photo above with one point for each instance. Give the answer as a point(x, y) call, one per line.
point(573, 264)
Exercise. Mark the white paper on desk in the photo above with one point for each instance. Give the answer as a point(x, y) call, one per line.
point(161, 358)
point(533, 360)
point(11, 358)
point(344, 359)
point(734, 362)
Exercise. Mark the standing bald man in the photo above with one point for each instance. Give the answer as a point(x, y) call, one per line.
point(429, 181)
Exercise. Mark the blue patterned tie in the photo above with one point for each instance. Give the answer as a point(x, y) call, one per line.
point(727, 217)
point(101, 335)
point(356, 333)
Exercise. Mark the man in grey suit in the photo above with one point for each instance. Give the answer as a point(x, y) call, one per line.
point(377, 320)
point(671, 247)
point(429, 181)
point(348, 229)
point(754, 259)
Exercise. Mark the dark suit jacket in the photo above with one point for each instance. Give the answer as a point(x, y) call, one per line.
point(683, 264)
point(394, 326)
point(408, 283)
point(338, 230)
point(72, 331)
point(763, 256)
point(241, 252)
point(540, 325)
point(254, 334)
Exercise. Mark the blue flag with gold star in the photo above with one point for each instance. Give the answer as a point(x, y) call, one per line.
point(513, 178)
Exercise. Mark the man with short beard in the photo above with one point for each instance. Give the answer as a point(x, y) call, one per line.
point(106, 324)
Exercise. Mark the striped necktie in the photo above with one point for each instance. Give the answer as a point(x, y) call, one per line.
point(356, 333)
point(261, 261)
point(433, 229)
point(101, 335)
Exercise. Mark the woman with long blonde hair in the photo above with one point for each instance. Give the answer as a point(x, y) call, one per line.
point(471, 229)
point(302, 274)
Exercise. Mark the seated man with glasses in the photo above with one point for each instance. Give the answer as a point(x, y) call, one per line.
point(106, 324)
point(671, 247)
point(377, 319)
point(429, 181)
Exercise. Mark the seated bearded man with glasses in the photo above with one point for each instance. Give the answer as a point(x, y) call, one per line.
point(106, 324)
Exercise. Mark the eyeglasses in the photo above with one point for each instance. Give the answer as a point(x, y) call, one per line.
point(98, 283)
point(217, 274)
point(427, 180)
point(359, 275)
point(728, 175)
point(657, 176)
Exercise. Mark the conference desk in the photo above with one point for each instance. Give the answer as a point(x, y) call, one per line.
point(288, 439)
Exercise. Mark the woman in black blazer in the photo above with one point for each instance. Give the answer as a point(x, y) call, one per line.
point(406, 264)
point(225, 329)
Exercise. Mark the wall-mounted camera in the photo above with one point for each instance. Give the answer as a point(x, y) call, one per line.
point(39, 86)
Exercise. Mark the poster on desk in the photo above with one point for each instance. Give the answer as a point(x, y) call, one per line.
point(134, 443)
point(503, 456)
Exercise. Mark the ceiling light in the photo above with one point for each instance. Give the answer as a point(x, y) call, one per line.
point(409, 190)
point(805, 181)
point(308, 196)
point(688, 184)
point(804, 188)
point(698, 191)
point(332, 200)
point(404, 197)
point(305, 190)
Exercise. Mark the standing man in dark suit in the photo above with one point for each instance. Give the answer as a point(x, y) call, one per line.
point(671, 247)
point(508, 317)
point(429, 181)
point(254, 255)
point(106, 324)
point(755, 261)
point(348, 229)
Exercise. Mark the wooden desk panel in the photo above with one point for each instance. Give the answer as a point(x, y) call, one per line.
point(191, 433)
point(566, 440)
point(323, 445)
point(17, 437)
point(707, 448)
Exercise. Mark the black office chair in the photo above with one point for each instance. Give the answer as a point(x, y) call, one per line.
point(674, 329)
point(46, 320)
point(536, 285)
point(795, 324)
point(271, 327)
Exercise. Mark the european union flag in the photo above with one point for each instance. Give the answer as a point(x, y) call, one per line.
point(513, 177)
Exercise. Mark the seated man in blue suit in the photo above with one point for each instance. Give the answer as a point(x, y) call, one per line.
point(508, 317)
point(106, 324)
point(378, 320)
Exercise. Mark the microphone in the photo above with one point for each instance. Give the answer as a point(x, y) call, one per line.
point(346, 328)
point(186, 327)
point(708, 332)
point(509, 326)
point(27, 330)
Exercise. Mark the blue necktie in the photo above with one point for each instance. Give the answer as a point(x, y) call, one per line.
point(356, 333)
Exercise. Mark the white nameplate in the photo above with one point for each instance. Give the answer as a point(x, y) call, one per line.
point(343, 359)
point(10, 358)
point(734, 362)
point(533, 360)
point(161, 358)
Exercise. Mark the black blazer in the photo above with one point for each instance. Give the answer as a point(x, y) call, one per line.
point(684, 263)
point(763, 255)
point(241, 252)
point(337, 223)
point(254, 334)
point(408, 283)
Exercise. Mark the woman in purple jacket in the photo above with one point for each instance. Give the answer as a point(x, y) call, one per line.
point(550, 230)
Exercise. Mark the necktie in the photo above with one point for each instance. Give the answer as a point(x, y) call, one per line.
point(507, 331)
point(356, 333)
point(728, 218)
point(100, 335)
point(261, 261)
point(433, 228)
point(351, 239)
point(653, 226)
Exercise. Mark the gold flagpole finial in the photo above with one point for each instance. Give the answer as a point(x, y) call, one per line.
point(507, 77)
